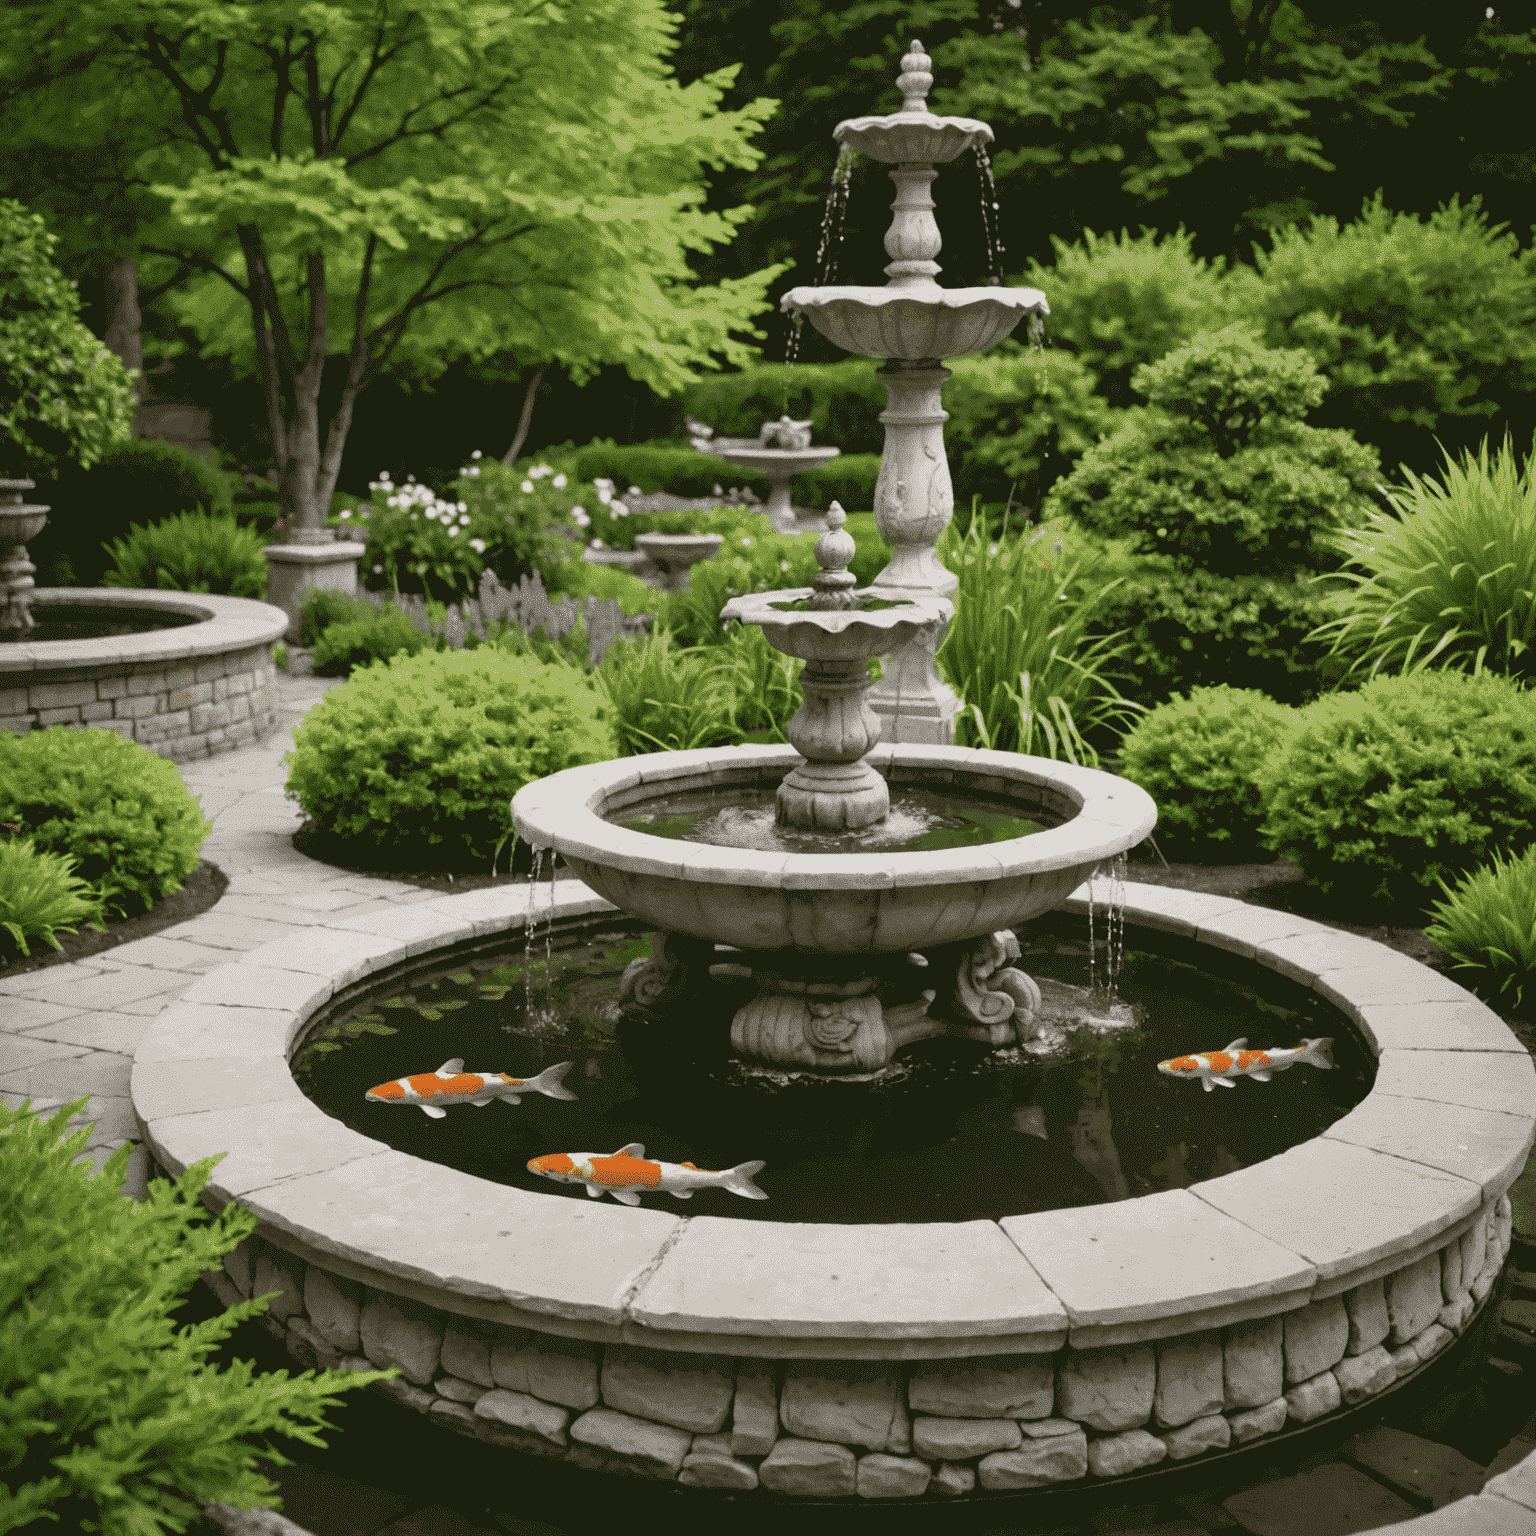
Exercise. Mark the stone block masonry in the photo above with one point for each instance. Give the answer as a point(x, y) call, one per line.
point(212, 704)
point(868, 1429)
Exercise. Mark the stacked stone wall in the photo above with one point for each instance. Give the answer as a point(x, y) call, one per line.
point(876, 1429)
point(186, 709)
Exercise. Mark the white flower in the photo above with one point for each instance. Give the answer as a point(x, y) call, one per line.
point(394, 501)
point(618, 509)
point(598, 544)
point(378, 570)
point(478, 545)
point(464, 520)
point(746, 543)
point(475, 471)
point(580, 518)
point(463, 506)
point(783, 565)
point(605, 494)
point(634, 490)
point(453, 533)
point(475, 454)
point(432, 514)
point(527, 487)
point(558, 482)
point(539, 471)
point(345, 512)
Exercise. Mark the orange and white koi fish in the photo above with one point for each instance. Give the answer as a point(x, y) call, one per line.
point(451, 1084)
point(1225, 1066)
point(625, 1173)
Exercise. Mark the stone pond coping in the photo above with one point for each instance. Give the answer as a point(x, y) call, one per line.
point(1422, 1160)
point(186, 693)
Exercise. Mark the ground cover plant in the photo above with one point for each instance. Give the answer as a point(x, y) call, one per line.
point(1488, 924)
point(121, 812)
point(191, 553)
point(41, 897)
point(112, 1419)
point(1379, 795)
point(1447, 578)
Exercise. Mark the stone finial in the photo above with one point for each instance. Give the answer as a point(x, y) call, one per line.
point(915, 80)
point(834, 582)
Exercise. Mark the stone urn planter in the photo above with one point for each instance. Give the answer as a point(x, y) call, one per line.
point(675, 554)
point(315, 558)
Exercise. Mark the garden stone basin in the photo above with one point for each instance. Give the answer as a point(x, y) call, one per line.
point(675, 554)
point(909, 138)
point(854, 903)
point(835, 635)
point(914, 323)
point(749, 453)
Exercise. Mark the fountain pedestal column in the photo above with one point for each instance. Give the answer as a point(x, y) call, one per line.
point(18, 523)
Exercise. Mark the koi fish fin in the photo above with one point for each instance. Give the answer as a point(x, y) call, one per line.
point(1236, 1045)
point(1317, 1053)
point(511, 1098)
point(450, 1068)
point(433, 1110)
point(1261, 1076)
point(1207, 1084)
point(683, 1194)
point(594, 1191)
point(481, 1103)
point(1226, 1082)
point(739, 1180)
point(548, 1081)
point(634, 1149)
point(628, 1196)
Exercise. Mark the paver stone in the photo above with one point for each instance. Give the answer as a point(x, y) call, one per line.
point(1422, 1471)
point(1330, 1500)
point(1312, 1399)
point(1036, 1464)
point(1211, 1433)
point(467, 1353)
point(892, 1477)
point(558, 1370)
point(605, 1440)
point(1363, 1376)
point(1129, 1451)
point(522, 1421)
point(717, 1472)
point(850, 1403)
point(962, 1439)
point(755, 1410)
point(1252, 1423)
point(952, 1479)
point(1253, 1362)
point(1315, 1338)
point(1189, 1379)
point(691, 1392)
point(279, 1271)
point(1107, 1389)
point(1369, 1322)
point(1413, 1298)
point(335, 1307)
point(995, 1387)
point(809, 1467)
point(395, 1332)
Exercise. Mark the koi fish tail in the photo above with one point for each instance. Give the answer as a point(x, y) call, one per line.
point(739, 1180)
point(1317, 1053)
point(549, 1082)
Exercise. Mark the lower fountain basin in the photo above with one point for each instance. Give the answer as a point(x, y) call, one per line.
point(833, 903)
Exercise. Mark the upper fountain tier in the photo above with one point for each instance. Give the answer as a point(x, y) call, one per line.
point(912, 318)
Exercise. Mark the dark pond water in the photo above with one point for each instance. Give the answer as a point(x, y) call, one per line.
point(951, 1132)
point(85, 623)
point(919, 819)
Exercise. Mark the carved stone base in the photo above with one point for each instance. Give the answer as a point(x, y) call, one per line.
point(832, 797)
point(827, 1026)
point(678, 967)
point(994, 1002)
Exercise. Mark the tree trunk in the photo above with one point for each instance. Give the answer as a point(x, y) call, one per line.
point(125, 324)
point(509, 458)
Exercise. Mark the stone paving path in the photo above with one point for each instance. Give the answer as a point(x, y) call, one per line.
point(71, 1029)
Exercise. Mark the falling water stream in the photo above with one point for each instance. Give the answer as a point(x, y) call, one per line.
point(829, 247)
point(1112, 873)
point(989, 212)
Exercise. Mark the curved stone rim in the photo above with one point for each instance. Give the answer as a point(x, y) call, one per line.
point(562, 812)
point(762, 609)
point(225, 624)
point(935, 298)
point(1441, 1132)
point(745, 452)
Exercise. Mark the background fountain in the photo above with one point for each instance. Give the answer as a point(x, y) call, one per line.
point(780, 451)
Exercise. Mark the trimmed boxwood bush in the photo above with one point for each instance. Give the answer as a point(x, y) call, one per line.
point(120, 811)
point(380, 634)
point(418, 758)
point(1198, 758)
point(1378, 796)
point(842, 401)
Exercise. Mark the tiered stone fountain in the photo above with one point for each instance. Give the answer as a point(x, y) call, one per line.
point(780, 451)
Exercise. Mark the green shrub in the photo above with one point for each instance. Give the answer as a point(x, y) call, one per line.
point(324, 606)
point(586, 578)
point(113, 1420)
point(872, 553)
point(1118, 301)
point(753, 558)
point(280, 656)
point(1422, 327)
point(1220, 471)
point(142, 482)
point(353, 643)
point(1190, 629)
point(1449, 578)
point(191, 553)
point(64, 398)
point(663, 698)
point(1198, 758)
point(420, 756)
point(842, 401)
point(675, 468)
point(41, 896)
point(1379, 795)
point(849, 480)
point(121, 812)
point(1488, 923)
point(1016, 651)
point(766, 683)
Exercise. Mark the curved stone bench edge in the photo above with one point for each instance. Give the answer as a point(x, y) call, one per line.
point(477, 914)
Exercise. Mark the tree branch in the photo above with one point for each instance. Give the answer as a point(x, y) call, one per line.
point(509, 458)
point(405, 131)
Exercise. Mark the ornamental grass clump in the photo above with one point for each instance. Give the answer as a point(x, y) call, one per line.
point(1016, 653)
point(112, 1418)
point(1488, 923)
point(1378, 796)
point(1448, 578)
point(41, 897)
point(417, 759)
point(121, 812)
point(190, 553)
point(1199, 757)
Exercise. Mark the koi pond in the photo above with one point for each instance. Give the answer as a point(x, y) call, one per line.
point(952, 1130)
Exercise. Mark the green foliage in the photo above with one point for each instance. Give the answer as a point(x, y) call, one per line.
point(280, 656)
point(491, 519)
point(679, 470)
point(420, 756)
point(1488, 923)
point(1421, 326)
point(1191, 629)
point(1379, 795)
point(324, 606)
point(766, 684)
point(1220, 471)
point(137, 483)
point(122, 813)
point(64, 399)
point(842, 401)
point(41, 896)
point(1198, 757)
point(1017, 424)
point(753, 558)
point(1448, 578)
point(191, 553)
point(849, 480)
point(1118, 301)
point(872, 554)
point(112, 1419)
point(586, 578)
point(663, 698)
point(353, 643)
point(1016, 651)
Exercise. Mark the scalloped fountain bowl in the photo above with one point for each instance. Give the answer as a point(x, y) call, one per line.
point(914, 323)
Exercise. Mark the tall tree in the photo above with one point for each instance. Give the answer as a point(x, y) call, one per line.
point(399, 182)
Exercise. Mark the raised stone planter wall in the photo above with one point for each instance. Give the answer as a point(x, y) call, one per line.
point(185, 693)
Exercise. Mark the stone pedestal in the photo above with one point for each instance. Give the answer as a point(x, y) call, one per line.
point(19, 521)
point(292, 569)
